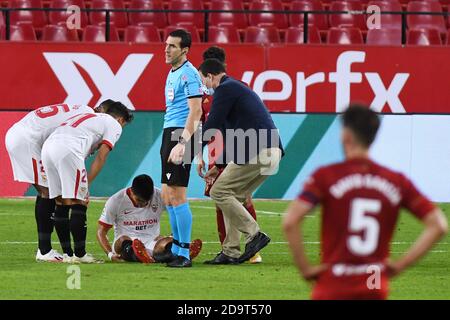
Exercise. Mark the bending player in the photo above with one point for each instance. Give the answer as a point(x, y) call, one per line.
point(135, 214)
point(63, 155)
point(24, 142)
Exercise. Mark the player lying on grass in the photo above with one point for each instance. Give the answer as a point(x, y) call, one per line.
point(135, 214)
point(24, 142)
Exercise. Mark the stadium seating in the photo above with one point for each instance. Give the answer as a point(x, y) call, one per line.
point(295, 35)
point(56, 17)
point(119, 19)
point(424, 37)
point(388, 37)
point(344, 35)
point(426, 21)
point(158, 19)
point(389, 21)
point(59, 33)
point(223, 34)
point(238, 20)
point(353, 20)
point(142, 34)
point(318, 20)
point(262, 35)
point(267, 19)
point(196, 19)
point(192, 29)
point(226, 27)
point(97, 33)
point(37, 18)
point(22, 32)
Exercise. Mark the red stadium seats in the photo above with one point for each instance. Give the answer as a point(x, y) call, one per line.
point(424, 37)
point(389, 21)
point(55, 17)
point(318, 20)
point(223, 34)
point(196, 19)
point(278, 20)
point(239, 20)
point(37, 18)
point(353, 20)
point(97, 33)
point(142, 34)
point(22, 32)
point(262, 35)
point(384, 37)
point(59, 33)
point(195, 35)
point(159, 19)
point(426, 21)
point(296, 35)
point(119, 19)
point(344, 36)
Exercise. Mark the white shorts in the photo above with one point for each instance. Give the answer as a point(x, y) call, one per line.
point(25, 156)
point(66, 172)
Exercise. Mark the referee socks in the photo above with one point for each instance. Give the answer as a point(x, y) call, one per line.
point(184, 222)
point(174, 226)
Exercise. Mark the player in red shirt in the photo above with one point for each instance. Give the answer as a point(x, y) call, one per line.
point(360, 205)
point(218, 53)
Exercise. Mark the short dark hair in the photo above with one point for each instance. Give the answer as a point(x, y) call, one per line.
point(214, 52)
point(186, 39)
point(363, 122)
point(117, 109)
point(104, 105)
point(213, 66)
point(142, 187)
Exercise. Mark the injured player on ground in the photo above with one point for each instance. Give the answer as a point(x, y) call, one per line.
point(135, 214)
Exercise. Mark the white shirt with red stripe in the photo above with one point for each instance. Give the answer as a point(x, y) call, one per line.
point(128, 220)
point(84, 133)
point(40, 123)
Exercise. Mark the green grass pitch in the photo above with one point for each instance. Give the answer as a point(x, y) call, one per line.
point(276, 278)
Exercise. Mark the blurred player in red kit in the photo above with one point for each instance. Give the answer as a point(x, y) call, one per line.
point(218, 53)
point(360, 202)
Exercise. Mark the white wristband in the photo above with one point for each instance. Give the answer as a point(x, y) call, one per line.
point(110, 255)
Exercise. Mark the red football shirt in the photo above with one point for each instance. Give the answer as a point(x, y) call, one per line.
point(360, 205)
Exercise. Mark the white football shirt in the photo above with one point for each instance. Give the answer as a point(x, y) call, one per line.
point(40, 123)
point(84, 133)
point(128, 220)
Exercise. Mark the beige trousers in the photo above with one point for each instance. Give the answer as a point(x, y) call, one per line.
point(230, 191)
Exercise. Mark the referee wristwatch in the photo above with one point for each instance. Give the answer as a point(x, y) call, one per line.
point(181, 140)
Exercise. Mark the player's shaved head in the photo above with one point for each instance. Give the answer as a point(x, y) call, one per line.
point(362, 122)
point(142, 187)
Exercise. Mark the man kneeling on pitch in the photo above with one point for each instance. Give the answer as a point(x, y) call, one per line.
point(135, 214)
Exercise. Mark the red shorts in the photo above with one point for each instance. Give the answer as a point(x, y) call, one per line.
point(355, 287)
point(209, 185)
